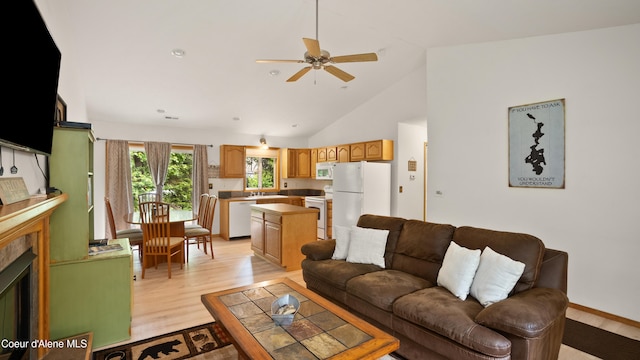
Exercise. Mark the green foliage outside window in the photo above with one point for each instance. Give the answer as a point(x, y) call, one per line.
point(177, 186)
point(260, 172)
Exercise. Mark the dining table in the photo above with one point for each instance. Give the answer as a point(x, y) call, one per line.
point(177, 220)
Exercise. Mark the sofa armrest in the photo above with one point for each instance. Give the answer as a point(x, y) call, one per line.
point(319, 250)
point(528, 314)
point(553, 271)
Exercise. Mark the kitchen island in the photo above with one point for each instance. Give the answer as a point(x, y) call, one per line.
point(234, 212)
point(278, 231)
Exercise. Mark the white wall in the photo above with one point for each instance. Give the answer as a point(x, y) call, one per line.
point(410, 147)
point(469, 89)
point(379, 118)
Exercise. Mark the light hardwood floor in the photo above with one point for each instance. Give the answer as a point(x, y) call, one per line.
point(162, 305)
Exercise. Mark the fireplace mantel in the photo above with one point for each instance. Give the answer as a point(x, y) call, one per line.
point(30, 218)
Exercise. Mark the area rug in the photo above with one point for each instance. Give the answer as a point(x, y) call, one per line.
point(207, 341)
point(600, 343)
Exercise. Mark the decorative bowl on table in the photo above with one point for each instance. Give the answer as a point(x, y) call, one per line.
point(284, 309)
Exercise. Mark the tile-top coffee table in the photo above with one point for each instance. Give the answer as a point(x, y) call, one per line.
point(320, 329)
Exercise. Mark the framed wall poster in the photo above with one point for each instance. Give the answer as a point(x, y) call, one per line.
point(536, 145)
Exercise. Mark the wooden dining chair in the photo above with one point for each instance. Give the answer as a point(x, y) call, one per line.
point(157, 240)
point(147, 197)
point(197, 226)
point(202, 208)
point(134, 235)
point(204, 233)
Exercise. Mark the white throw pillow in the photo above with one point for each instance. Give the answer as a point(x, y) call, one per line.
point(342, 242)
point(458, 269)
point(367, 246)
point(496, 277)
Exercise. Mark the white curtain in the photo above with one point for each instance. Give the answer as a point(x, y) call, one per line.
point(158, 156)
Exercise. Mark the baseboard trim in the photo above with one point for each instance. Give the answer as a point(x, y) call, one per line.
point(605, 315)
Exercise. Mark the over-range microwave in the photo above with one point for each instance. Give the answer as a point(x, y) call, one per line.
point(324, 170)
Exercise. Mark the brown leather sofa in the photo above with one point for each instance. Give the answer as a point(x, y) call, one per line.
point(430, 322)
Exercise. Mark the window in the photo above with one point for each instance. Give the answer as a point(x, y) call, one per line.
point(261, 171)
point(178, 184)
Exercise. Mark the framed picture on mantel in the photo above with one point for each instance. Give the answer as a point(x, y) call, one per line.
point(61, 111)
point(537, 145)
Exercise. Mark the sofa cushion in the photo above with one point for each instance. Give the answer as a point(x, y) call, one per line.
point(421, 248)
point(367, 246)
point(525, 248)
point(440, 311)
point(382, 288)
point(458, 270)
point(393, 224)
point(496, 276)
point(343, 237)
point(336, 272)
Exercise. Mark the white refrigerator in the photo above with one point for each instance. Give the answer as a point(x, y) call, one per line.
point(360, 188)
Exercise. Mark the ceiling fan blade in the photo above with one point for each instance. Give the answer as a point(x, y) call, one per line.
point(313, 47)
point(354, 58)
point(299, 74)
point(279, 61)
point(339, 73)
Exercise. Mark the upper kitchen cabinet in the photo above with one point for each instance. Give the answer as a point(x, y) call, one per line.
point(314, 161)
point(332, 153)
point(296, 163)
point(343, 153)
point(377, 150)
point(321, 154)
point(356, 152)
point(232, 160)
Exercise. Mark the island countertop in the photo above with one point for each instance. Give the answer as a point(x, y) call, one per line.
point(283, 209)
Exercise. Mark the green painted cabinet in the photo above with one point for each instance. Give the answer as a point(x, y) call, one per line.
point(71, 172)
point(94, 294)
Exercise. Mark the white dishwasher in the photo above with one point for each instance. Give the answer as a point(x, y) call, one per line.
point(240, 218)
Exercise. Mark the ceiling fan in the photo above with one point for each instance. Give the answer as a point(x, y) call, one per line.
point(321, 59)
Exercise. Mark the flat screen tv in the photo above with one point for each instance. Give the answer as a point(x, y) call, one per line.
point(33, 67)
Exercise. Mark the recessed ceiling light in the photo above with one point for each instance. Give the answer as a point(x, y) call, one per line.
point(178, 53)
point(160, 111)
point(274, 72)
point(294, 125)
point(235, 118)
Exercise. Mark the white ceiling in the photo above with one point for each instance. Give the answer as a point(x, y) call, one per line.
point(122, 52)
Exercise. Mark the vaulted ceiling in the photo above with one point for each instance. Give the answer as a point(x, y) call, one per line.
point(121, 51)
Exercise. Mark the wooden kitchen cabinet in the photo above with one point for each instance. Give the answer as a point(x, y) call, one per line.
point(321, 154)
point(296, 163)
point(257, 231)
point(332, 153)
point(273, 238)
point(278, 232)
point(343, 153)
point(314, 161)
point(378, 150)
point(357, 152)
point(232, 161)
